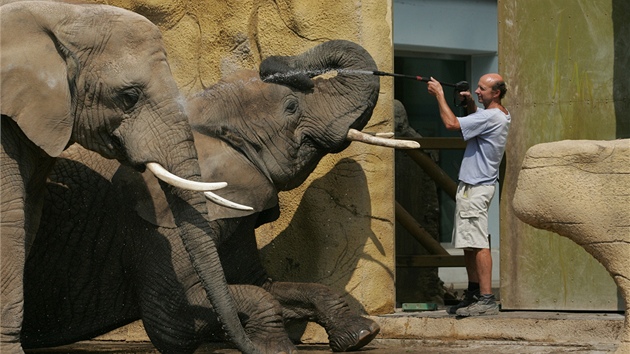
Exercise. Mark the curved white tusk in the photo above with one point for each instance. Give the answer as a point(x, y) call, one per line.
point(161, 173)
point(380, 135)
point(355, 135)
point(224, 202)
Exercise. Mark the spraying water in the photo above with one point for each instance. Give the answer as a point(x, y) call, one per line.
point(323, 73)
point(330, 72)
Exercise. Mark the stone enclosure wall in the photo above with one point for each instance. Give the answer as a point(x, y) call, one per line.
point(566, 64)
point(580, 189)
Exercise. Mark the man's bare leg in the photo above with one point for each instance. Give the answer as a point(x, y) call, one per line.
point(483, 263)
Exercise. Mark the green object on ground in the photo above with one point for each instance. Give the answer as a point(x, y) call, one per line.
point(419, 306)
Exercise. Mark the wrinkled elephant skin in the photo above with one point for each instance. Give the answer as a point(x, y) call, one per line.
point(266, 137)
point(97, 76)
point(580, 189)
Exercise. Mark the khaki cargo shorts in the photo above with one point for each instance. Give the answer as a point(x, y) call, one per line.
point(470, 228)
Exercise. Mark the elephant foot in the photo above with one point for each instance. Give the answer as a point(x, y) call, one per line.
point(353, 335)
point(261, 315)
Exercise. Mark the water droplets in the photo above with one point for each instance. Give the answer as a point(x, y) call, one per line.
point(325, 73)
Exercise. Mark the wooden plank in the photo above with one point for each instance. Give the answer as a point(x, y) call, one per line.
point(430, 261)
point(418, 232)
point(434, 171)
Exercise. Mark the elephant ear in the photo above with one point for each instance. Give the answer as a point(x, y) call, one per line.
point(36, 74)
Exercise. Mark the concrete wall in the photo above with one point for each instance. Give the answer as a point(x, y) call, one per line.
point(566, 66)
point(456, 26)
point(337, 228)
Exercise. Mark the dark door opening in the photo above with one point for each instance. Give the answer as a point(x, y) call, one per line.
point(415, 192)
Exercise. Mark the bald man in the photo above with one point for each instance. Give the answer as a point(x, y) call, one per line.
point(485, 132)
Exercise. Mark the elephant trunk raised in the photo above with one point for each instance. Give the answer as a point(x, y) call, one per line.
point(337, 91)
point(351, 68)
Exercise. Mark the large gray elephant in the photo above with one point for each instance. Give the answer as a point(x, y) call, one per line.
point(93, 267)
point(98, 76)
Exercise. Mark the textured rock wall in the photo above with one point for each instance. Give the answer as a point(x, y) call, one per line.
point(580, 189)
point(338, 227)
point(566, 66)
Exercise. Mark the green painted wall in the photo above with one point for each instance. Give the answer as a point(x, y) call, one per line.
point(566, 66)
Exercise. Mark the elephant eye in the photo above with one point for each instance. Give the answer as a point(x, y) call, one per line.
point(291, 106)
point(129, 97)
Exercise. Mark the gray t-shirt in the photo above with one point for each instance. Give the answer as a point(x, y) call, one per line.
point(485, 133)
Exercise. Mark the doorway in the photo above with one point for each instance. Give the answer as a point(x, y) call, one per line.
point(415, 192)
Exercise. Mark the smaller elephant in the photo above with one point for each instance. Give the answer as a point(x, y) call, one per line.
point(266, 137)
point(95, 75)
point(580, 189)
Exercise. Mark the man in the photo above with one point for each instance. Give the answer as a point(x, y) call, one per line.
point(485, 132)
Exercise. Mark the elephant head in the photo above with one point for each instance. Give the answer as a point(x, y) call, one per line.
point(98, 76)
point(275, 130)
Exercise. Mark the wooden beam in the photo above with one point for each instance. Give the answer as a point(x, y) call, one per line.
point(434, 171)
point(418, 232)
point(430, 261)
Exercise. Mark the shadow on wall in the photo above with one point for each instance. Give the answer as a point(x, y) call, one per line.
point(336, 209)
point(621, 89)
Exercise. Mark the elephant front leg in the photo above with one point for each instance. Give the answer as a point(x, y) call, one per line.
point(23, 172)
point(12, 298)
point(186, 325)
point(12, 256)
point(346, 330)
point(261, 316)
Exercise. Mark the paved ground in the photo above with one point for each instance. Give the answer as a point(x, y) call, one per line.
point(392, 347)
point(432, 332)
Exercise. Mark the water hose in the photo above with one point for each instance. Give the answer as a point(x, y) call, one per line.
point(417, 78)
point(459, 87)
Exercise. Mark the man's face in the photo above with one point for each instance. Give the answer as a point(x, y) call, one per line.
point(484, 91)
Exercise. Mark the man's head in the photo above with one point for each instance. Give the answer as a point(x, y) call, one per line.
point(491, 88)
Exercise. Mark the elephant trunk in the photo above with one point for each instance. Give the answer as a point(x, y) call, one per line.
point(199, 237)
point(354, 82)
point(174, 149)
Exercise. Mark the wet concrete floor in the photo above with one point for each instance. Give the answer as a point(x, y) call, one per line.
point(381, 347)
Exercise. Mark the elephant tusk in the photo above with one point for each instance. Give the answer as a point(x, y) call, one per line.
point(380, 135)
point(355, 135)
point(226, 203)
point(161, 173)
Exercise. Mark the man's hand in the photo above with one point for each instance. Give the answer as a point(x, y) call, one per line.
point(447, 116)
point(470, 105)
point(435, 88)
point(465, 96)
